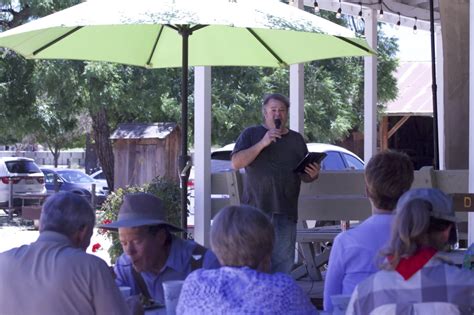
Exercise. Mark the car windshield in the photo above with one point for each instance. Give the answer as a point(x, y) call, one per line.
point(75, 176)
point(23, 167)
point(100, 175)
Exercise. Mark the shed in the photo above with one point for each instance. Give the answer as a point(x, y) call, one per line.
point(407, 122)
point(144, 151)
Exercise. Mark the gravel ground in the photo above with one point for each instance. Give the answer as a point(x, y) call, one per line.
point(19, 232)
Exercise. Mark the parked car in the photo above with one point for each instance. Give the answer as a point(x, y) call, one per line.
point(338, 158)
point(25, 175)
point(74, 181)
point(99, 178)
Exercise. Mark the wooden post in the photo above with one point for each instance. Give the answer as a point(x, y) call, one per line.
point(93, 196)
point(10, 200)
point(383, 133)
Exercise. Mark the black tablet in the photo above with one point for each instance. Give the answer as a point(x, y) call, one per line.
point(310, 157)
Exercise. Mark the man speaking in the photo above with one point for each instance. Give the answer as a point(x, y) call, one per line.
point(269, 153)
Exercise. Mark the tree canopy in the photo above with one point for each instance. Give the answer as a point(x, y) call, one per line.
point(47, 97)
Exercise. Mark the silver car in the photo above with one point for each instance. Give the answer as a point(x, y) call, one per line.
point(337, 159)
point(25, 176)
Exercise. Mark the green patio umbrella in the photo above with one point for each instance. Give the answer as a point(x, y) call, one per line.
point(182, 33)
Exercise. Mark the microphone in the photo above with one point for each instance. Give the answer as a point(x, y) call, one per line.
point(277, 122)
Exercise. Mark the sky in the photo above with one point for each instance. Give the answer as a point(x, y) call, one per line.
point(413, 47)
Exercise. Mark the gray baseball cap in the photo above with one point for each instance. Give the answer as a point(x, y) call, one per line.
point(140, 209)
point(442, 206)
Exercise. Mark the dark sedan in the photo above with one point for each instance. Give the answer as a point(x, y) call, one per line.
point(72, 180)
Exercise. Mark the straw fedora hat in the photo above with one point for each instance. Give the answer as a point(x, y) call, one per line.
point(140, 209)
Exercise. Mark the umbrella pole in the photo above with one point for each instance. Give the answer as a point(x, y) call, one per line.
point(434, 89)
point(184, 159)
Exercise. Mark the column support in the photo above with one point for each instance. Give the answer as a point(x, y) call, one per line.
point(202, 154)
point(370, 88)
point(297, 91)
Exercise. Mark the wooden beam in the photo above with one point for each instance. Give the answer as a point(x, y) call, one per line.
point(383, 133)
point(397, 126)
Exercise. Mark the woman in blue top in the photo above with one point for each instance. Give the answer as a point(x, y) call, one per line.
point(242, 238)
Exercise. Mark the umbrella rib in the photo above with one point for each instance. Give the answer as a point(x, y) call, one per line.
point(280, 61)
point(37, 51)
point(355, 44)
point(198, 27)
point(191, 29)
point(154, 45)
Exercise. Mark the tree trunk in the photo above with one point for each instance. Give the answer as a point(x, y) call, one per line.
point(56, 156)
point(101, 134)
point(91, 164)
point(55, 151)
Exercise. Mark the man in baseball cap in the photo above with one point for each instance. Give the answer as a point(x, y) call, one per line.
point(152, 255)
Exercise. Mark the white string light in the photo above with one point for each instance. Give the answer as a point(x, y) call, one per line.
point(415, 28)
point(316, 6)
point(339, 11)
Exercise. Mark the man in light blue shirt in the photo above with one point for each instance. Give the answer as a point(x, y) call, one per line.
point(354, 253)
point(152, 254)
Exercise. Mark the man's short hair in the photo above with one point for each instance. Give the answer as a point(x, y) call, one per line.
point(242, 236)
point(387, 176)
point(276, 96)
point(66, 213)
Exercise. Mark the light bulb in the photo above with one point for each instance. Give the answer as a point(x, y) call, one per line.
point(415, 29)
point(397, 26)
point(381, 13)
point(360, 15)
point(316, 6)
point(339, 13)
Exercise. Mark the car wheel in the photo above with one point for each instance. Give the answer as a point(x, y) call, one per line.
point(16, 212)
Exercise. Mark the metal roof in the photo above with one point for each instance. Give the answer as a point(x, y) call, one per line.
point(408, 9)
point(143, 131)
point(414, 91)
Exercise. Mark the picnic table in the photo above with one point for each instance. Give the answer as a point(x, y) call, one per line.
point(30, 206)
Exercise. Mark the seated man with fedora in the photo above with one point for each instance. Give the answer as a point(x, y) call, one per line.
point(152, 255)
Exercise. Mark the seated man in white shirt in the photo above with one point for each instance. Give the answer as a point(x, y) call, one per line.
point(54, 275)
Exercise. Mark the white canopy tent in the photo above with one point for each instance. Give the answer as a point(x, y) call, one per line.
point(405, 12)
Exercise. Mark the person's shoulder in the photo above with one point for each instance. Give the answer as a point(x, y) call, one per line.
point(15, 251)
point(254, 129)
point(203, 277)
point(123, 261)
point(452, 271)
point(278, 280)
point(195, 249)
point(79, 256)
point(296, 134)
point(365, 229)
point(13, 254)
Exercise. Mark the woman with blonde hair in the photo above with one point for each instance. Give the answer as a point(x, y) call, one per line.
point(242, 238)
point(414, 277)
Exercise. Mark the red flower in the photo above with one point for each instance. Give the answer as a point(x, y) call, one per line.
point(96, 247)
point(106, 221)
